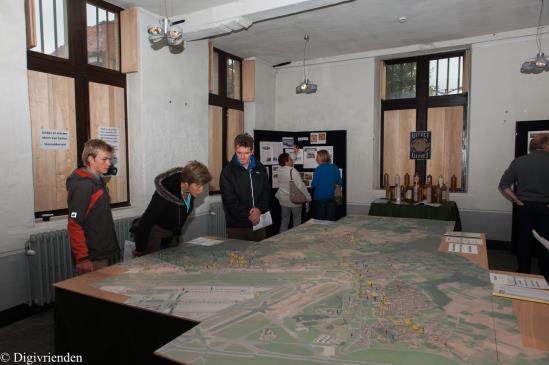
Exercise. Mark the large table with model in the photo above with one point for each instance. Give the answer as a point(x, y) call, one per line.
point(363, 290)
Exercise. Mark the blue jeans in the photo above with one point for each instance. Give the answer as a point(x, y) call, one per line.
point(325, 209)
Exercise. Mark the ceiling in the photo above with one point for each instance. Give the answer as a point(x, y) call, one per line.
point(366, 25)
point(171, 7)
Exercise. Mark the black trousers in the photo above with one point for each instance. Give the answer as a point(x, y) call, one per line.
point(532, 215)
point(325, 209)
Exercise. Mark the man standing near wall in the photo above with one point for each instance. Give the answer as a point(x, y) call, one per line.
point(530, 175)
point(91, 226)
point(245, 191)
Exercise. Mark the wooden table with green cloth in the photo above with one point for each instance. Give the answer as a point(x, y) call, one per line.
point(446, 211)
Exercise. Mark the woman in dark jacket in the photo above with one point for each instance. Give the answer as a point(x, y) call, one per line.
point(172, 202)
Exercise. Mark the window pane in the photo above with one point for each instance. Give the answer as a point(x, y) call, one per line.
point(446, 76)
point(215, 73)
point(235, 126)
point(108, 112)
point(401, 81)
point(446, 126)
point(61, 47)
point(233, 78)
point(91, 22)
point(397, 125)
point(433, 78)
point(51, 28)
point(52, 106)
point(215, 155)
point(38, 22)
point(442, 77)
point(102, 38)
point(48, 25)
point(453, 72)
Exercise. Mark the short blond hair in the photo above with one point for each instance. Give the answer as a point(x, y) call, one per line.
point(92, 147)
point(195, 172)
point(324, 156)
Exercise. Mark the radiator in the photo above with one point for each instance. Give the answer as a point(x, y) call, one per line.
point(50, 260)
point(216, 223)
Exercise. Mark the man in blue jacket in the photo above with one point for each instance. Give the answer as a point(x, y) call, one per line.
point(245, 191)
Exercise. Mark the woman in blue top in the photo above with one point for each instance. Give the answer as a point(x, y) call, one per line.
point(325, 179)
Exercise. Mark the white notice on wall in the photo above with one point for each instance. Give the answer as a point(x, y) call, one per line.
point(54, 139)
point(111, 135)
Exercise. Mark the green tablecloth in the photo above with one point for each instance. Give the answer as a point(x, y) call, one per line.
point(445, 212)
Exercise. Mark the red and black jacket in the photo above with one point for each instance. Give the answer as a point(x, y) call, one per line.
point(90, 226)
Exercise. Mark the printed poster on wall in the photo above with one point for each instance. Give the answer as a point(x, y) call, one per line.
point(309, 155)
point(111, 135)
point(275, 176)
point(287, 142)
point(297, 157)
point(420, 145)
point(266, 152)
point(269, 152)
point(531, 135)
point(54, 139)
point(307, 178)
point(317, 138)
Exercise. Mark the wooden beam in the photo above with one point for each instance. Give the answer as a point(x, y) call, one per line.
point(129, 40)
point(248, 79)
point(30, 23)
point(210, 63)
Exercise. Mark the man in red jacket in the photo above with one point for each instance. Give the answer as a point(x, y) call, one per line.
point(90, 223)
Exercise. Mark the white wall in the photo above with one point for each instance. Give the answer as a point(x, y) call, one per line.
point(168, 111)
point(16, 189)
point(500, 95)
point(167, 126)
point(344, 100)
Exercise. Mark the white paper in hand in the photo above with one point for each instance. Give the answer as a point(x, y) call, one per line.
point(265, 220)
point(129, 246)
point(542, 240)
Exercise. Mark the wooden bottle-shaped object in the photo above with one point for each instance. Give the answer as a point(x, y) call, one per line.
point(444, 193)
point(429, 189)
point(415, 193)
point(453, 183)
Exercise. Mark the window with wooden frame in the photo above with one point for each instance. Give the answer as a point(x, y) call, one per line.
point(226, 110)
point(426, 93)
point(76, 92)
